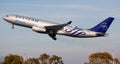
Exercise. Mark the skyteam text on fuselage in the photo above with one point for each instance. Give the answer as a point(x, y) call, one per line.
point(51, 28)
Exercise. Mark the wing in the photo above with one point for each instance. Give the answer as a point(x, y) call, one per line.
point(52, 30)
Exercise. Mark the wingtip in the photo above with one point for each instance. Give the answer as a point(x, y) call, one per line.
point(69, 22)
point(111, 17)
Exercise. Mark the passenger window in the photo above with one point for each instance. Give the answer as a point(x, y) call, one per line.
point(22, 17)
point(36, 20)
point(32, 19)
point(19, 16)
point(25, 17)
point(16, 16)
point(7, 16)
point(28, 18)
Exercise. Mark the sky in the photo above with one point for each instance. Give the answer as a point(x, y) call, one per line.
point(84, 14)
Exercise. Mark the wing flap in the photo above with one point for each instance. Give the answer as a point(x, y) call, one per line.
point(58, 27)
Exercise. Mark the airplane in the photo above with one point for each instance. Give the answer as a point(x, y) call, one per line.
point(52, 28)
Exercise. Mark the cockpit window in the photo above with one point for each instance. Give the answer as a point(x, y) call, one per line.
point(16, 16)
point(7, 16)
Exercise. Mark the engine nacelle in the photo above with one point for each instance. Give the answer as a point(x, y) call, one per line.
point(37, 29)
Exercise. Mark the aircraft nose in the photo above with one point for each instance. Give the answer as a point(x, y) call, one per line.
point(5, 17)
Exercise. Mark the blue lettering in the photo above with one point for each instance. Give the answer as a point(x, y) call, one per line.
point(81, 33)
point(74, 30)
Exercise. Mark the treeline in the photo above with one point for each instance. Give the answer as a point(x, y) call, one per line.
point(95, 58)
point(43, 59)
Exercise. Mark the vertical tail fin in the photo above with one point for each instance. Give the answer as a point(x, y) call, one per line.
point(103, 26)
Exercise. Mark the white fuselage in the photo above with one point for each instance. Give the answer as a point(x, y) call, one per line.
point(38, 25)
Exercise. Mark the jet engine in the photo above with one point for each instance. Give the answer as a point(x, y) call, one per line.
point(39, 29)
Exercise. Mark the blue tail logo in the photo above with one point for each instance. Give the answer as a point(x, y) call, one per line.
point(103, 26)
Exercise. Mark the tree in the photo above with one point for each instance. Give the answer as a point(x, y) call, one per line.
point(13, 59)
point(56, 60)
point(47, 59)
point(102, 58)
point(116, 61)
point(44, 58)
point(26, 62)
point(32, 61)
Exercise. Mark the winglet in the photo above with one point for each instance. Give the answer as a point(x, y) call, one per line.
point(69, 22)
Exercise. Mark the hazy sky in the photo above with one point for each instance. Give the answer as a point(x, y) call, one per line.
point(83, 13)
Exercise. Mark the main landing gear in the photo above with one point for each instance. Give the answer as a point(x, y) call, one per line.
point(12, 26)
